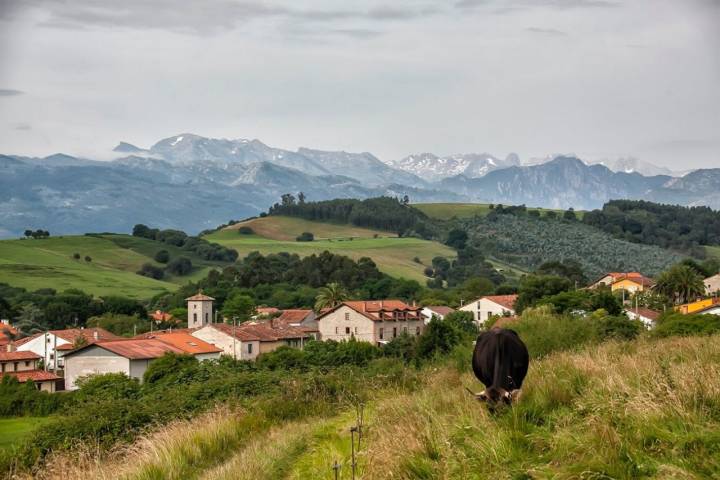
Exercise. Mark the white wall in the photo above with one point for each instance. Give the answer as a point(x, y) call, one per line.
point(335, 326)
point(199, 314)
point(37, 345)
point(93, 360)
point(225, 342)
point(482, 309)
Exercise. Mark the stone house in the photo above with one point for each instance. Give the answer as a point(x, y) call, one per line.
point(375, 321)
point(24, 367)
point(712, 285)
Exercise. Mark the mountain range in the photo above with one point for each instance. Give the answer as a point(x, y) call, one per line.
point(192, 183)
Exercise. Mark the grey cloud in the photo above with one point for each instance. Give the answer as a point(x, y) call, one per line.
point(23, 126)
point(8, 92)
point(547, 31)
point(512, 5)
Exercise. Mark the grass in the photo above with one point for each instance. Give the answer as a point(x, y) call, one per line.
point(713, 252)
point(49, 263)
point(446, 211)
point(13, 430)
point(393, 255)
point(645, 409)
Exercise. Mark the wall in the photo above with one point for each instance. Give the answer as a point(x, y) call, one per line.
point(393, 328)
point(47, 386)
point(361, 327)
point(225, 341)
point(37, 345)
point(483, 308)
point(471, 307)
point(93, 360)
point(204, 312)
point(22, 365)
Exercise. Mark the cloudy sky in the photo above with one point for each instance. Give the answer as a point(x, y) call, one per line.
point(599, 78)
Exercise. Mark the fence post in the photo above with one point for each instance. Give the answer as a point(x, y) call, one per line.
point(336, 468)
point(352, 449)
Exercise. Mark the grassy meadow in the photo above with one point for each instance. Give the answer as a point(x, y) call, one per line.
point(49, 263)
point(13, 430)
point(393, 255)
point(713, 252)
point(643, 409)
point(446, 211)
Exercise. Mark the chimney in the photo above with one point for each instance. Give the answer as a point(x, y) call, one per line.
point(96, 336)
point(10, 347)
point(272, 322)
point(381, 306)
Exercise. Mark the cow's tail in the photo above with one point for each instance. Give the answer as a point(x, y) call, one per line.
point(497, 368)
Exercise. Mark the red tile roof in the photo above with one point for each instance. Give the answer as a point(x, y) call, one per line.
point(260, 331)
point(186, 342)
point(507, 301)
point(266, 310)
point(293, 316)
point(375, 310)
point(14, 356)
point(645, 312)
point(34, 375)
point(134, 349)
point(71, 334)
point(6, 331)
point(440, 309)
point(639, 279)
point(200, 298)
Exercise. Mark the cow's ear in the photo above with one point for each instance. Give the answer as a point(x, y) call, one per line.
point(482, 396)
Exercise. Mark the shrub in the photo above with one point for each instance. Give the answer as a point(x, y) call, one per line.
point(162, 256)
point(544, 332)
point(110, 386)
point(76, 256)
point(179, 266)
point(683, 325)
point(245, 230)
point(150, 270)
point(619, 327)
point(305, 237)
point(88, 258)
point(439, 337)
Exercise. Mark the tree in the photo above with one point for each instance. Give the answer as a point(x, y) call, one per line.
point(535, 287)
point(30, 320)
point(28, 233)
point(301, 198)
point(438, 337)
point(330, 296)
point(570, 214)
point(305, 237)
point(88, 258)
point(239, 307)
point(681, 284)
point(162, 256)
point(462, 321)
point(457, 239)
point(179, 266)
point(150, 270)
point(76, 256)
point(245, 230)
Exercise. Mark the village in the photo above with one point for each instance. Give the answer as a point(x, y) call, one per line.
point(55, 360)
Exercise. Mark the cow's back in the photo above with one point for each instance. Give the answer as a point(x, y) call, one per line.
point(500, 359)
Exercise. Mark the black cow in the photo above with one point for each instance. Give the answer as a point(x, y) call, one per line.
point(500, 361)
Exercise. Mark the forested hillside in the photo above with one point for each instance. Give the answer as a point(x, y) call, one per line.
point(680, 228)
point(529, 241)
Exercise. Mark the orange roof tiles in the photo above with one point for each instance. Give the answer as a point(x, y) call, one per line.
point(260, 331)
point(646, 312)
point(70, 334)
point(34, 375)
point(440, 309)
point(6, 332)
point(293, 316)
point(135, 349)
point(199, 297)
point(375, 310)
point(507, 301)
point(15, 356)
point(186, 342)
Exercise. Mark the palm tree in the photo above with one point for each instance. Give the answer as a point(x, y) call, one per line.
point(330, 296)
point(681, 284)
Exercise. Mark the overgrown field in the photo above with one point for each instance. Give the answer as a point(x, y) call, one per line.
point(446, 211)
point(644, 409)
point(13, 430)
point(528, 242)
point(394, 256)
point(114, 259)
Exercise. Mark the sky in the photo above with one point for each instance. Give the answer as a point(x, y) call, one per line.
point(597, 78)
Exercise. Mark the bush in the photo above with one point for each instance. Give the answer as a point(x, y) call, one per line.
point(439, 337)
point(162, 256)
point(683, 325)
point(88, 258)
point(179, 266)
point(305, 237)
point(76, 256)
point(150, 270)
point(618, 327)
point(110, 386)
point(245, 230)
point(18, 399)
point(544, 332)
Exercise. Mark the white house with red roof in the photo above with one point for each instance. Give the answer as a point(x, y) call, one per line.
point(24, 367)
point(375, 321)
point(437, 311)
point(490, 305)
point(55, 343)
point(645, 315)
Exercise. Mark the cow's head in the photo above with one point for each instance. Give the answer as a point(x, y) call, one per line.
point(495, 396)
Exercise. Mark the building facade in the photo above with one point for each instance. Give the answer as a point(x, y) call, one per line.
point(492, 305)
point(54, 344)
point(23, 366)
point(200, 310)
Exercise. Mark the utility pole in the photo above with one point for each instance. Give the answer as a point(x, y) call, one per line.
point(55, 359)
point(45, 358)
point(234, 339)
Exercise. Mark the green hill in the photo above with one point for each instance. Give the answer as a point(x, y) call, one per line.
point(446, 211)
point(49, 263)
point(394, 256)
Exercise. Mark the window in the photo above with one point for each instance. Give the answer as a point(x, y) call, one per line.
point(404, 329)
point(347, 330)
point(417, 330)
point(206, 317)
point(382, 333)
point(2, 367)
point(394, 332)
point(249, 348)
point(194, 317)
point(347, 316)
point(355, 330)
point(37, 385)
point(336, 330)
point(48, 339)
point(27, 363)
point(15, 365)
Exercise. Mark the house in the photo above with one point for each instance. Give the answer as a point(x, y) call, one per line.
point(485, 307)
point(7, 333)
point(304, 319)
point(376, 321)
point(186, 342)
point(711, 310)
point(130, 357)
point(438, 311)
point(24, 367)
point(248, 340)
point(200, 310)
point(699, 306)
point(712, 285)
point(55, 343)
point(632, 282)
point(265, 312)
point(645, 315)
